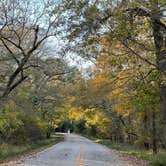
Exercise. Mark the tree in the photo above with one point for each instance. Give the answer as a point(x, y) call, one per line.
point(24, 29)
point(126, 23)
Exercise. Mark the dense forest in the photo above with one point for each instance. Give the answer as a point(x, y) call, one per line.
point(121, 96)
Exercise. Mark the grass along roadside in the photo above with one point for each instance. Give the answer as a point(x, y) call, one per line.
point(13, 152)
point(154, 160)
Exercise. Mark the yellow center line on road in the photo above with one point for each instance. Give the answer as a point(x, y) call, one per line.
point(79, 159)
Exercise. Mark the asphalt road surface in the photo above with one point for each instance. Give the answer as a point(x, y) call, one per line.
point(75, 151)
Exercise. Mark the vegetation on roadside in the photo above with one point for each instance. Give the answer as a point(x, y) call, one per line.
point(10, 151)
point(154, 160)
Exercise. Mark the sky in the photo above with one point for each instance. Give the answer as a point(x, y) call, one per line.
point(73, 59)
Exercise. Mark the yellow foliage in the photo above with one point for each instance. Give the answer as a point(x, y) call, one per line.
point(96, 117)
point(75, 113)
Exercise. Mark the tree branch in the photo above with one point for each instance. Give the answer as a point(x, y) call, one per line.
point(139, 56)
point(10, 51)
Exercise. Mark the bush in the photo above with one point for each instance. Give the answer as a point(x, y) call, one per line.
point(33, 129)
point(159, 160)
point(20, 127)
point(49, 129)
point(9, 123)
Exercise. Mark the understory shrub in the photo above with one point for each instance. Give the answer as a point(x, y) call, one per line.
point(159, 160)
point(19, 128)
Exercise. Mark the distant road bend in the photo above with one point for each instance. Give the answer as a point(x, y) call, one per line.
point(75, 151)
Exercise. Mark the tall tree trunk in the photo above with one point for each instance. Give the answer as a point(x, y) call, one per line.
point(154, 141)
point(159, 31)
point(145, 129)
point(163, 97)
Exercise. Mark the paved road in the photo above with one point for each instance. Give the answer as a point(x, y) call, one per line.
point(75, 151)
